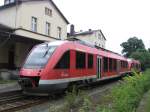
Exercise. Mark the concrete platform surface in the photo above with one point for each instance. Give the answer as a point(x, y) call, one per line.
point(9, 87)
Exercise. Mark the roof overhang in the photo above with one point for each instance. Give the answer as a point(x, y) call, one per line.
point(4, 35)
point(5, 28)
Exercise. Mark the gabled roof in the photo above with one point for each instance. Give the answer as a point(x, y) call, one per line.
point(83, 33)
point(87, 33)
point(21, 1)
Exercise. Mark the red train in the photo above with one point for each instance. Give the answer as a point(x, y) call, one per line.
point(53, 66)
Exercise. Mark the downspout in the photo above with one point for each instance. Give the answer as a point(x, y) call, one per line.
point(16, 13)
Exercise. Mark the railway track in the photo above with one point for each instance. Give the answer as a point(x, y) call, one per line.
point(15, 100)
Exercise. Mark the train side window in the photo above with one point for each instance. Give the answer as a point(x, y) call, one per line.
point(115, 64)
point(64, 62)
point(90, 61)
point(122, 64)
point(105, 63)
point(110, 64)
point(126, 64)
point(80, 60)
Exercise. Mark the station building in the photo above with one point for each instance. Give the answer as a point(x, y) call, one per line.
point(94, 37)
point(25, 23)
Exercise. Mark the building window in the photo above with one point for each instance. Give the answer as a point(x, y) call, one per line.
point(48, 11)
point(47, 28)
point(59, 32)
point(80, 60)
point(90, 61)
point(34, 24)
point(99, 36)
point(9, 1)
point(64, 62)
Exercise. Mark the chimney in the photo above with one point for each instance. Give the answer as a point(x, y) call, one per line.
point(90, 30)
point(81, 30)
point(72, 31)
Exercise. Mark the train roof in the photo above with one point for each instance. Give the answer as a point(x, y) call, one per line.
point(83, 46)
point(131, 60)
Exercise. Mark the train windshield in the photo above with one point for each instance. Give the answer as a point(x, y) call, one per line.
point(39, 56)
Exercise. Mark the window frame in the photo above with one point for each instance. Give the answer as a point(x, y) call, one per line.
point(55, 67)
point(110, 64)
point(34, 24)
point(59, 32)
point(48, 28)
point(79, 65)
point(114, 64)
point(48, 11)
point(88, 61)
point(104, 65)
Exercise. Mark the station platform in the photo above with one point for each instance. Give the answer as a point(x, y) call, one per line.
point(13, 86)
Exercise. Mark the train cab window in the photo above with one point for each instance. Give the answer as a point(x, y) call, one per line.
point(80, 60)
point(64, 62)
point(90, 61)
point(39, 56)
point(105, 63)
point(110, 64)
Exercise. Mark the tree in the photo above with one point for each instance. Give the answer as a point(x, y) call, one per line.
point(143, 57)
point(132, 45)
point(148, 49)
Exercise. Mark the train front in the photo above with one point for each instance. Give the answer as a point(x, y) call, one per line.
point(33, 68)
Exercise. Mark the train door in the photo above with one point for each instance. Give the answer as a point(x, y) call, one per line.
point(99, 60)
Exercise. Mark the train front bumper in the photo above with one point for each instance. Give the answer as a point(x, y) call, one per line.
point(41, 89)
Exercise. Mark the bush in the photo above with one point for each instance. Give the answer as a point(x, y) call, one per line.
point(127, 96)
point(86, 104)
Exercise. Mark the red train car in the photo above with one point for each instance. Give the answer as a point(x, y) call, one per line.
point(134, 64)
point(53, 66)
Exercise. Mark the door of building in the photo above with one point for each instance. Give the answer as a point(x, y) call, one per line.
point(11, 57)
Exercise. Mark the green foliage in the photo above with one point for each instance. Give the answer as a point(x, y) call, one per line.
point(86, 105)
point(147, 106)
point(103, 109)
point(7, 81)
point(143, 57)
point(149, 50)
point(72, 98)
point(132, 45)
point(77, 100)
point(127, 96)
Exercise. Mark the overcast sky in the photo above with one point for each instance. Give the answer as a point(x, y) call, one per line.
point(118, 19)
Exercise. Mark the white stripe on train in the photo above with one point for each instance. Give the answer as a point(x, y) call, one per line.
point(65, 80)
point(57, 81)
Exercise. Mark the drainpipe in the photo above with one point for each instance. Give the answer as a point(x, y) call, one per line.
point(16, 13)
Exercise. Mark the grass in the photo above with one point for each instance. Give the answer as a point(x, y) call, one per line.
point(144, 103)
point(7, 81)
point(146, 106)
point(126, 96)
point(74, 102)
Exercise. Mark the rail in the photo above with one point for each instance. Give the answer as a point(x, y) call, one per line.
point(15, 100)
